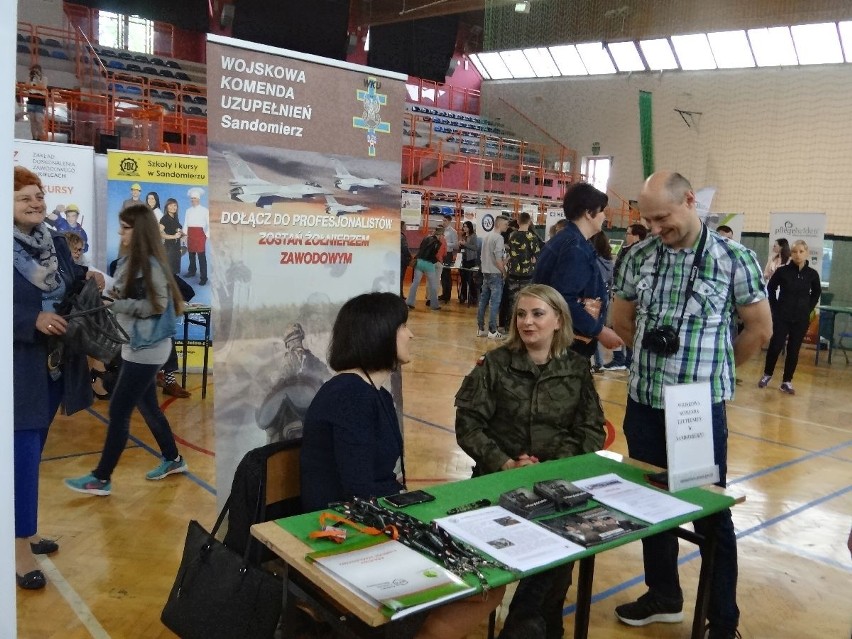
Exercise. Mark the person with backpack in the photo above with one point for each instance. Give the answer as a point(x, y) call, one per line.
point(432, 250)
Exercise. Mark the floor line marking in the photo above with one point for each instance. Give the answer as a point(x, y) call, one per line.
point(74, 455)
point(83, 612)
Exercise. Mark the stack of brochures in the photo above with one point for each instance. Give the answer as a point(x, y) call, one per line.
point(527, 504)
point(591, 527)
point(395, 578)
point(563, 493)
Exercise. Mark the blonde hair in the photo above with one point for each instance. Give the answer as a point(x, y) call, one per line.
point(564, 335)
point(801, 243)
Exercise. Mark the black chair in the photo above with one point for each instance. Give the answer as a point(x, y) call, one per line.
point(150, 70)
point(165, 73)
point(125, 55)
point(133, 67)
point(172, 64)
point(23, 48)
point(141, 58)
point(52, 42)
point(180, 75)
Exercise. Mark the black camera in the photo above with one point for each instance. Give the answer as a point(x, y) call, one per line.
point(662, 340)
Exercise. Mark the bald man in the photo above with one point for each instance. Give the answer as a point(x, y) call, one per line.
point(650, 288)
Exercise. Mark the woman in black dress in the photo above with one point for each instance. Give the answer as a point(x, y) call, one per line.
point(170, 229)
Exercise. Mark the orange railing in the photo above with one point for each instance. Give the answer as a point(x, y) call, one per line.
point(443, 96)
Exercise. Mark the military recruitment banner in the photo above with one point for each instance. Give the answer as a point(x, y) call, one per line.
point(305, 160)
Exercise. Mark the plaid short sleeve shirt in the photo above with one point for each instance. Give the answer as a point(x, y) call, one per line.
point(655, 276)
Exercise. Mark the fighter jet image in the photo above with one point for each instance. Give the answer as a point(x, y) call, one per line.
point(336, 208)
point(345, 181)
point(247, 187)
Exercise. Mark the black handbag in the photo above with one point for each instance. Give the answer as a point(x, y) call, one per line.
point(92, 329)
point(218, 593)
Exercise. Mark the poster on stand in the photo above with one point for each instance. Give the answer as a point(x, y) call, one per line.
point(809, 227)
point(175, 189)
point(553, 216)
point(67, 174)
point(732, 220)
point(305, 161)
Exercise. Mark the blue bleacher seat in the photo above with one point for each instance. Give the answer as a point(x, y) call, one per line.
point(131, 66)
point(180, 75)
point(116, 88)
point(115, 64)
point(133, 89)
point(166, 73)
point(172, 64)
point(59, 54)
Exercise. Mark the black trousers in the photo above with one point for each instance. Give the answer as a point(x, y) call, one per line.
point(789, 332)
point(447, 278)
point(541, 595)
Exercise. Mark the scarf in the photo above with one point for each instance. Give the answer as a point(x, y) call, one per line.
point(35, 257)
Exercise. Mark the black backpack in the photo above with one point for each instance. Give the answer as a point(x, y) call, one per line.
point(428, 250)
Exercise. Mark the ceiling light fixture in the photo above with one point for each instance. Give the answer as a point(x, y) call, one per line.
point(522, 7)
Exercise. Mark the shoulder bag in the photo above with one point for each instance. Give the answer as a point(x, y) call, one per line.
point(92, 329)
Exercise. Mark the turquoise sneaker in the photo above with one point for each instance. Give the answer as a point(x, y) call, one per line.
point(167, 468)
point(90, 485)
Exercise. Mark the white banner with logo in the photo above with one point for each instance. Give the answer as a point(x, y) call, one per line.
point(809, 227)
point(732, 220)
point(553, 216)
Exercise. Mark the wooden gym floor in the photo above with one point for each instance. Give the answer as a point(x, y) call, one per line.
point(791, 456)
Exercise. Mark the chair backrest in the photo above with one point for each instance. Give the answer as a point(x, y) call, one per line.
point(265, 487)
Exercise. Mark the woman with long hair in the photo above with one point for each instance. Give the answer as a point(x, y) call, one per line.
point(153, 202)
point(470, 259)
point(171, 231)
point(531, 400)
point(352, 442)
point(146, 302)
point(43, 272)
point(778, 256)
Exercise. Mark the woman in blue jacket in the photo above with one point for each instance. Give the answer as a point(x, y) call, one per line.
point(147, 299)
point(794, 291)
point(43, 273)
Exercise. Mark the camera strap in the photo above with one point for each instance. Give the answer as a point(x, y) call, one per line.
point(697, 262)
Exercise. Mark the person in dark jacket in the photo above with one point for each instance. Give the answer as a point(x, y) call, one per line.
point(404, 256)
point(43, 273)
point(794, 291)
point(568, 263)
point(352, 440)
point(531, 400)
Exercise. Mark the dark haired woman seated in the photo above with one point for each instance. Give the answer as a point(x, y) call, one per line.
point(352, 441)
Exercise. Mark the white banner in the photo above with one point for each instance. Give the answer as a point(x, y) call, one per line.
point(733, 220)
point(809, 227)
point(67, 173)
point(553, 216)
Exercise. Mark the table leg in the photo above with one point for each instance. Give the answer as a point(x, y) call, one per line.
point(206, 350)
point(707, 544)
point(288, 608)
point(584, 597)
point(185, 340)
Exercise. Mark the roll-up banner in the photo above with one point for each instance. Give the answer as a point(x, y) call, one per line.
point(67, 174)
point(305, 159)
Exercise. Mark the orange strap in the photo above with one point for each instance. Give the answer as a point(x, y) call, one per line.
point(338, 535)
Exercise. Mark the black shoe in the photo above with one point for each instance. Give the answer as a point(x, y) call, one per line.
point(44, 547)
point(716, 633)
point(95, 376)
point(528, 628)
point(202, 281)
point(33, 580)
point(650, 608)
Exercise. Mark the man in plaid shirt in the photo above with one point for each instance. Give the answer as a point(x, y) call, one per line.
point(649, 292)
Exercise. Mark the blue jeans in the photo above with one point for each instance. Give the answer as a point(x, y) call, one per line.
point(431, 287)
point(491, 293)
point(645, 430)
point(135, 388)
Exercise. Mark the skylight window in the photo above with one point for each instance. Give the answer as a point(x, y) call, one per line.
point(595, 58)
point(626, 56)
point(568, 60)
point(693, 52)
point(773, 47)
point(479, 66)
point(541, 62)
point(495, 66)
point(731, 49)
point(817, 43)
point(846, 38)
point(517, 64)
point(658, 54)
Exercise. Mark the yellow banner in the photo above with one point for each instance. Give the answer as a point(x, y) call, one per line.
point(156, 167)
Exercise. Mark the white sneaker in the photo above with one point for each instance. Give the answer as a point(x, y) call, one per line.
point(481, 333)
point(496, 335)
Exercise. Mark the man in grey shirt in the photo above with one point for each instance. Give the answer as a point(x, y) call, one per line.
point(452, 239)
point(493, 265)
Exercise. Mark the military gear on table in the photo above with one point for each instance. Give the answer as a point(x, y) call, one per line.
point(508, 406)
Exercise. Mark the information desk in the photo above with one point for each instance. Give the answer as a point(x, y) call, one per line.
point(288, 537)
point(200, 316)
point(829, 314)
